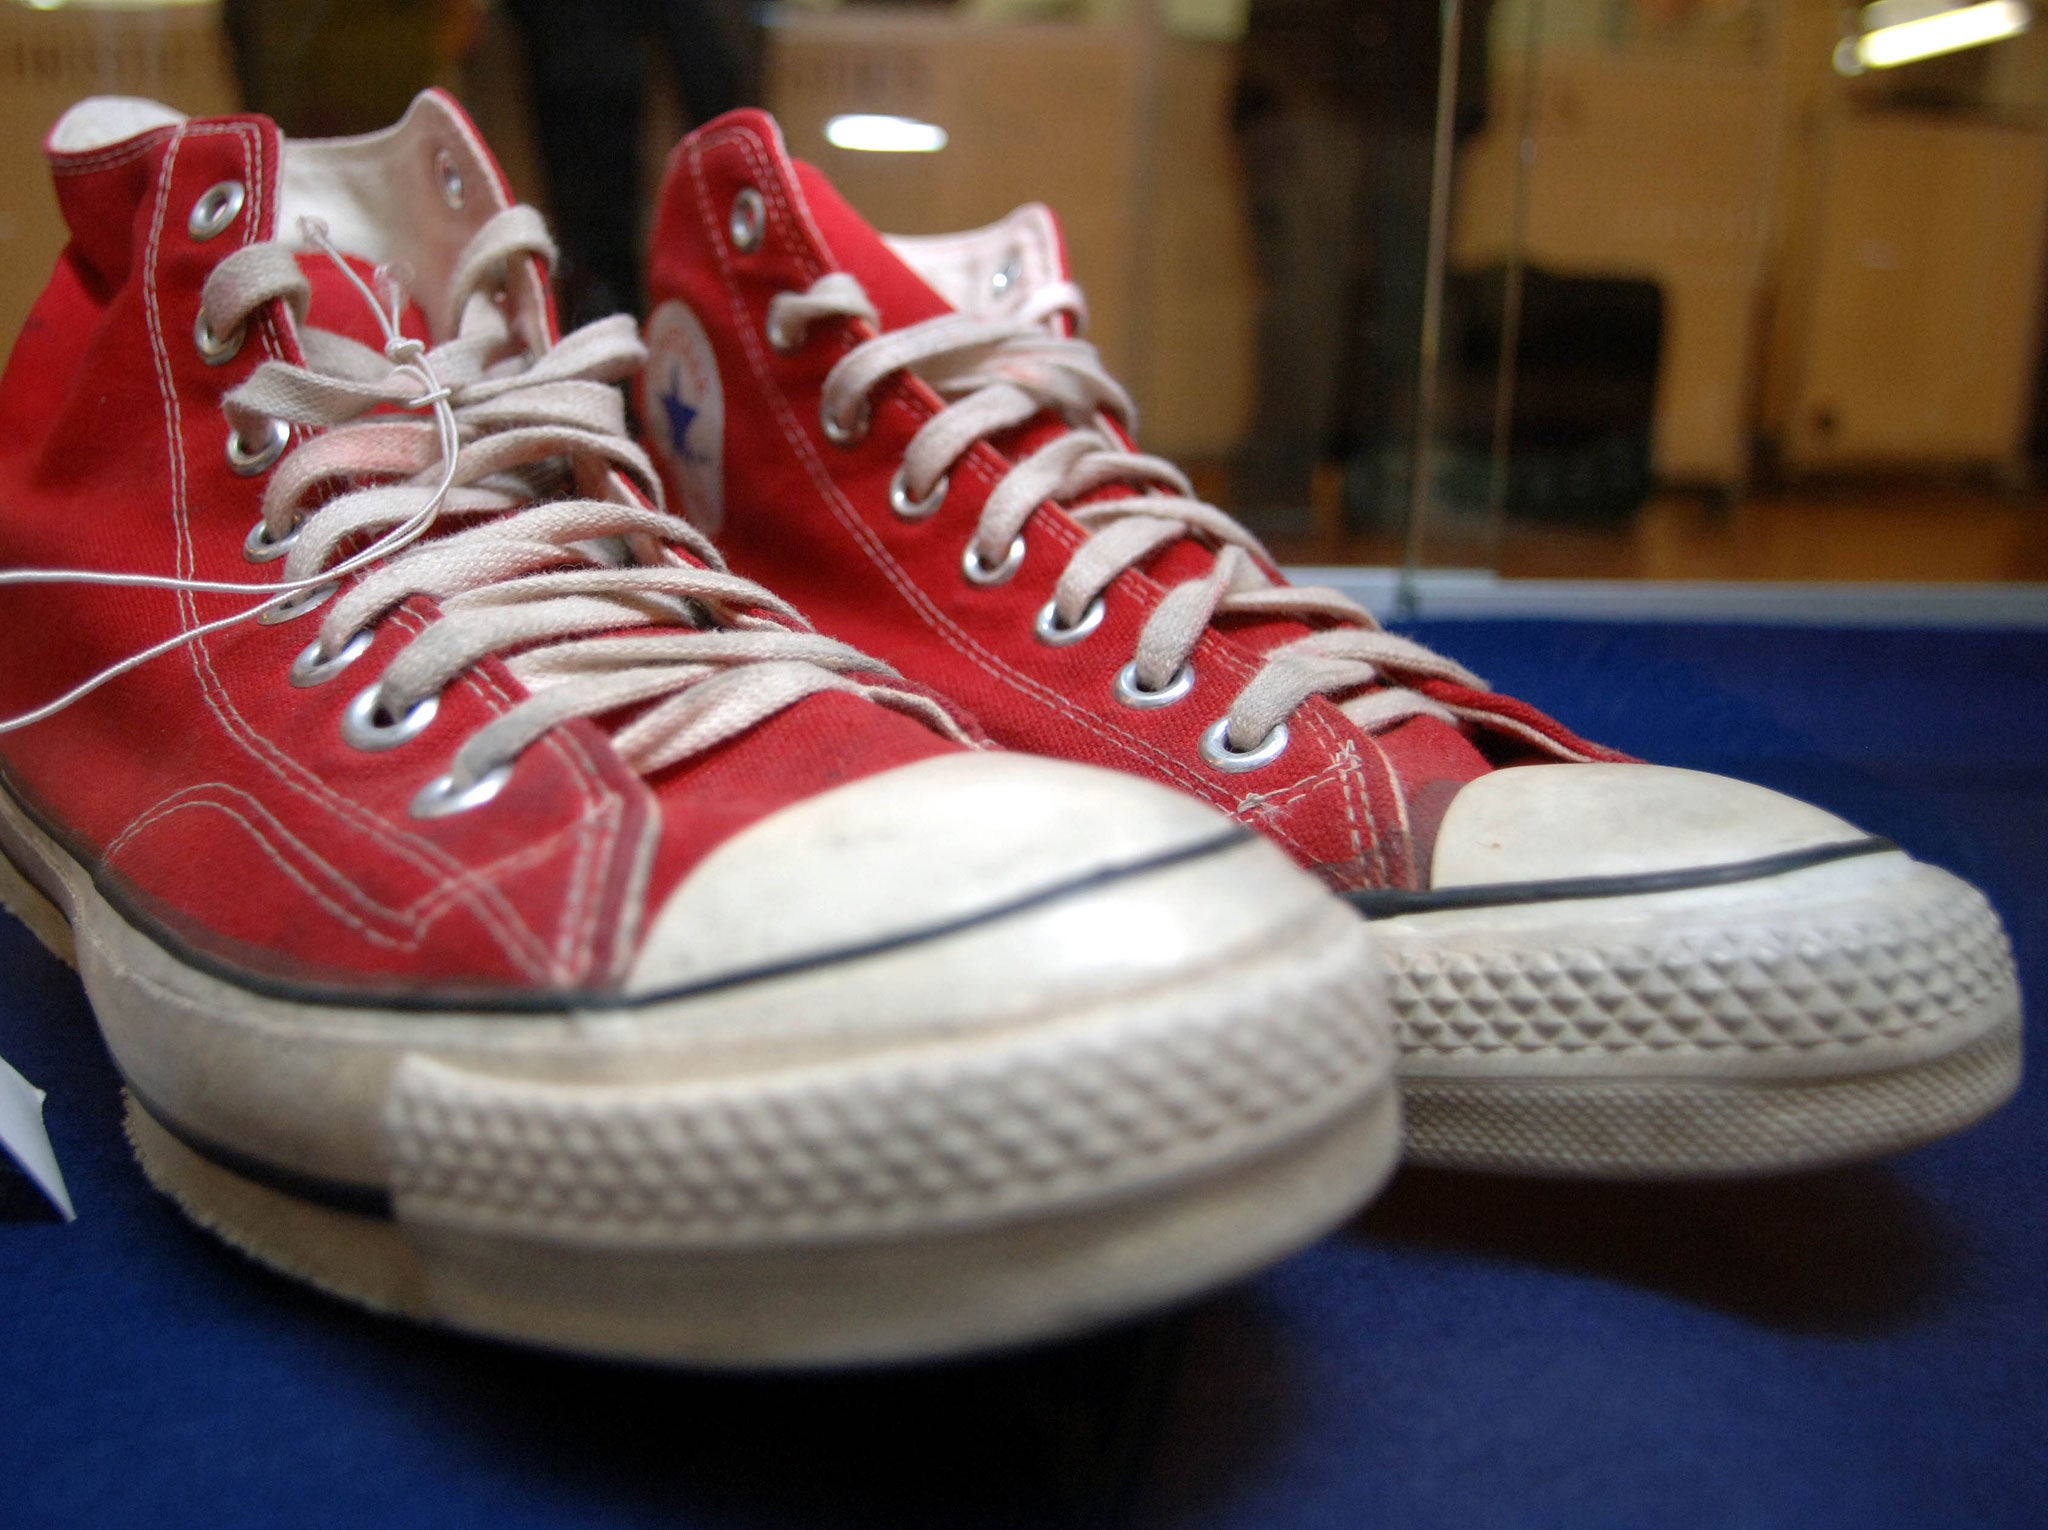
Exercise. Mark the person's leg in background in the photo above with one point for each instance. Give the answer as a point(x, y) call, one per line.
point(1396, 96)
point(1377, 414)
point(714, 47)
point(1302, 176)
point(587, 71)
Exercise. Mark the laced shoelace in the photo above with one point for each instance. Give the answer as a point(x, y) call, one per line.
point(998, 374)
point(549, 561)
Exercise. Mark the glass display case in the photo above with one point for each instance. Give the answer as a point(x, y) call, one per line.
point(1653, 289)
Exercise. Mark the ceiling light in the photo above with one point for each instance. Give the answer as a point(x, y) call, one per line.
point(875, 133)
point(1892, 32)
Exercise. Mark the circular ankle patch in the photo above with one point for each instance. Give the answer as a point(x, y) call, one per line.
point(683, 408)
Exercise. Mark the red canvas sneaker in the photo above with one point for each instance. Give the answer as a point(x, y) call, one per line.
point(524, 923)
point(1599, 967)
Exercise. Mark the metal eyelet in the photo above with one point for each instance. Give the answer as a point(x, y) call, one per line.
point(1133, 694)
point(1002, 280)
point(450, 177)
point(844, 432)
point(312, 667)
point(296, 605)
point(785, 339)
point(915, 509)
point(749, 220)
point(364, 726)
point(978, 572)
point(1217, 751)
point(1049, 630)
point(258, 547)
point(215, 209)
point(446, 794)
point(215, 350)
point(250, 459)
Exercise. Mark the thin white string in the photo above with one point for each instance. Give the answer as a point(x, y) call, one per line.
point(406, 355)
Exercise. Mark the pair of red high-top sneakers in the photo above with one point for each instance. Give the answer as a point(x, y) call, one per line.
point(504, 912)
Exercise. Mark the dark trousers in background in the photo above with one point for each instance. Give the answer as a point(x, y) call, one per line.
point(587, 66)
point(1340, 218)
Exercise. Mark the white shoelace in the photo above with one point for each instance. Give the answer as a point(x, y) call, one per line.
point(996, 375)
point(554, 565)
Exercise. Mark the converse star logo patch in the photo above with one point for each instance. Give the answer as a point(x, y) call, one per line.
point(684, 406)
point(681, 417)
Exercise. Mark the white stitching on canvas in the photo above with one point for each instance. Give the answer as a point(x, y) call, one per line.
point(212, 689)
point(943, 626)
point(193, 798)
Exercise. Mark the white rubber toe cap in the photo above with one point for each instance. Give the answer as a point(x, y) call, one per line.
point(1546, 822)
point(1093, 877)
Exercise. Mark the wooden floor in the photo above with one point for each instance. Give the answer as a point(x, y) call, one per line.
point(1848, 531)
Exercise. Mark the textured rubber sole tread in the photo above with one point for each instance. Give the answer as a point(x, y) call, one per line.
point(1105, 1102)
point(1837, 982)
point(1675, 1128)
point(1657, 1039)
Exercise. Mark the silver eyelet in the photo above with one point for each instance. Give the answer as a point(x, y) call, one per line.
point(915, 509)
point(748, 221)
point(215, 350)
point(258, 547)
point(445, 794)
point(1049, 630)
point(785, 339)
point(1217, 751)
point(978, 572)
point(363, 724)
point(215, 209)
point(249, 458)
point(294, 606)
point(1000, 282)
point(450, 177)
point(844, 432)
point(1133, 694)
point(312, 667)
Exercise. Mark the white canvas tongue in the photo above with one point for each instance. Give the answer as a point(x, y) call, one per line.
point(409, 197)
point(989, 273)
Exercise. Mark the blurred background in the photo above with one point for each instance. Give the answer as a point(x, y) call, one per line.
point(1664, 290)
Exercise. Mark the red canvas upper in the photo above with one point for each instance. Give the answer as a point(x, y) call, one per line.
point(812, 518)
point(216, 802)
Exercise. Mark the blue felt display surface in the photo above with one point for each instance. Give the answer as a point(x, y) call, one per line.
point(1860, 1348)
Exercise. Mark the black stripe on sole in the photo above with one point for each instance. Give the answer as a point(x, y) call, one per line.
point(335, 1194)
point(1392, 902)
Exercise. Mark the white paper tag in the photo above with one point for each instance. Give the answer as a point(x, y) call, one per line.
point(23, 1139)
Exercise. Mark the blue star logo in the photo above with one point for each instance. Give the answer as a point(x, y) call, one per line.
point(680, 417)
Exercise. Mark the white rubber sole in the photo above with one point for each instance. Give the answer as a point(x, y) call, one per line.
point(979, 1191)
point(1829, 1015)
point(897, 1299)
